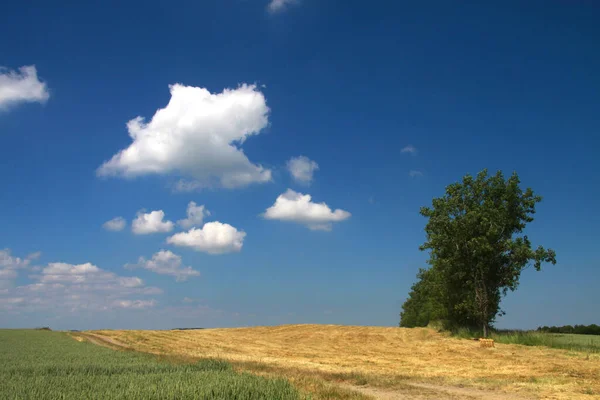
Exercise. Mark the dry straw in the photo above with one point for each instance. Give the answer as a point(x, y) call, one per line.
point(417, 354)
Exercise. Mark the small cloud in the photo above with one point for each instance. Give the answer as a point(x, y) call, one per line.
point(165, 263)
point(116, 224)
point(214, 238)
point(297, 207)
point(189, 300)
point(302, 169)
point(372, 200)
point(151, 222)
point(410, 149)
point(33, 256)
point(133, 304)
point(186, 186)
point(195, 216)
point(276, 6)
point(21, 86)
point(415, 173)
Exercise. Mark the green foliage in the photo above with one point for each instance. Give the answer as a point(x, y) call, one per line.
point(592, 329)
point(559, 341)
point(51, 365)
point(477, 251)
point(423, 305)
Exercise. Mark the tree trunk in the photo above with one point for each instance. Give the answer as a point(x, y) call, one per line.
point(481, 297)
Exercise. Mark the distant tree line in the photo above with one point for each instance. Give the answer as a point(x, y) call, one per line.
point(592, 329)
point(476, 252)
point(186, 329)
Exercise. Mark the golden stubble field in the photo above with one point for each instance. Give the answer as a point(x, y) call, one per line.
point(386, 357)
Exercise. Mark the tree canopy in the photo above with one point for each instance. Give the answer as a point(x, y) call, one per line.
point(477, 251)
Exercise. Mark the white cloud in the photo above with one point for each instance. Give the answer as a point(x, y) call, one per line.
point(188, 300)
point(7, 261)
point(69, 287)
point(297, 207)
point(413, 173)
point(195, 216)
point(165, 263)
point(9, 266)
point(134, 304)
point(410, 149)
point(279, 5)
point(213, 238)
point(184, 185)
point(116, 224)
point(21, 87)
point(6, 276)
point(197, 136)
point(302, 169)
point(151, 222)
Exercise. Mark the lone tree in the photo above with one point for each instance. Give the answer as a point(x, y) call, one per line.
point(477, 249)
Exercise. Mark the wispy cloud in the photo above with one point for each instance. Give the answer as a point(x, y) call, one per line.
point(165, 263)
point(410, 149)
point(276, 6)
point(413, 173)
point(195, 216)
point(68, 288)
point(302, 169)
point(9, 266)
point(116, 224)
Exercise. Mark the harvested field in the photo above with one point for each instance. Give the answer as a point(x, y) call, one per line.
point(385, 358)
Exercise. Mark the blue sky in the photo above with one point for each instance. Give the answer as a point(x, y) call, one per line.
point(346, 84)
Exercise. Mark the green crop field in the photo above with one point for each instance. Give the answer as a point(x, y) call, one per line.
point(568, 341)
point(583, 342)
point(51, 365)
